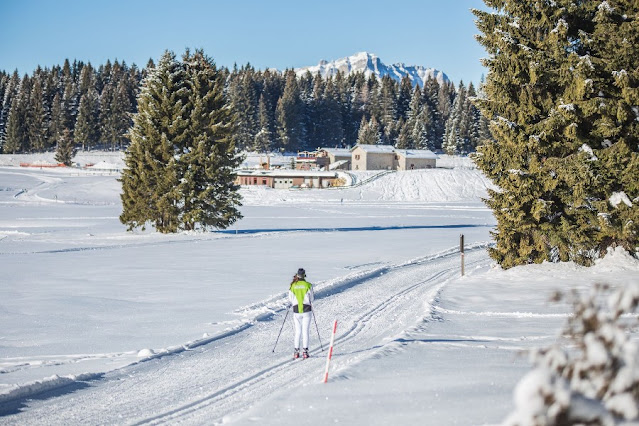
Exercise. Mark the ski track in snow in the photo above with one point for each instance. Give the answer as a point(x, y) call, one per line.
point(202, 381)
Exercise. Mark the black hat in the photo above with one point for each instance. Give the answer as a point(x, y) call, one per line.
point(301, 273)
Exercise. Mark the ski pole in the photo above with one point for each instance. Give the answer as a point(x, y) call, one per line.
point(317, 328)
point(281, 328)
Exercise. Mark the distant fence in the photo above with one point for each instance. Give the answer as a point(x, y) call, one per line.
point(42, 165)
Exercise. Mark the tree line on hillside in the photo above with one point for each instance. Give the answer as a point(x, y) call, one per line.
point(78, 106)
point(69, 104)
point(278, 111)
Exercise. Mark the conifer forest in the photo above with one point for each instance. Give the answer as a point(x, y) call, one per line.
point(91, 108)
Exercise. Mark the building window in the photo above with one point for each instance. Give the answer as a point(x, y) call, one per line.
point(263, 181)
point(254, 181)
point(357, 157)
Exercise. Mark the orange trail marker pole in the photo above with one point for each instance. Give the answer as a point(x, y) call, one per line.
point(330, 351)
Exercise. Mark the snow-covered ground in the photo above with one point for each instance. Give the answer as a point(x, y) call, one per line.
point(101, 326)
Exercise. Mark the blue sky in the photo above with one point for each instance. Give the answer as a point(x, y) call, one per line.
point(268, 33)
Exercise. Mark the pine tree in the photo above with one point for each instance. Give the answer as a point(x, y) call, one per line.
point(560, 92)
point(315, 109)
point(474, 119)
point(422, 131)
point(332, 131)
point(11, 92)
point(37, 124)
point(66, 148)
point(17, 138)
point(207, 190)
point(263, 138)
point(70, 102)
point(445, 99)
point(418, 122)
point(120, 114)
point(430, 102)
point(358, 95)
point(87, 128)
point(244, 102)
point(458, 125)
point(388, 109)
point(4, 88)
point(56, 123)
point(403, 140)
point(150, 178)
point(108, 132)
point(290, 116)
point(369, 133)
point(180, 163)
point(404, 97)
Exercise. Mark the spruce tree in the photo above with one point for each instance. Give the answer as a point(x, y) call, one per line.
point(263, 138)
point(11, 92)
point(332, 130)
point(37, 124)
point(430, 102)
point(180, 163)
point(454, 134)
point(290, 116)
point(208, 194)
point(560, 91)
point(108, 131)
point(87, 128)
point(245, 104)
point(66, 148)
point(403, 140)
point(388, 109)
point(369, 133)
point(150, 178)
point(404, 97)
point(17, 137)
point(56, 123)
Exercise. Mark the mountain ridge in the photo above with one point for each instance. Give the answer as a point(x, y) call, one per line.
point(369, 64)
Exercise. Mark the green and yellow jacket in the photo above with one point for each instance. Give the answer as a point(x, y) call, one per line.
point(301, 294)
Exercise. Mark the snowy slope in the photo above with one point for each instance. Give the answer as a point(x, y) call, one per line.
point(101, 326)
point(370, 64)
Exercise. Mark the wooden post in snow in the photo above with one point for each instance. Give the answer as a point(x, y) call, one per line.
point(461, 250)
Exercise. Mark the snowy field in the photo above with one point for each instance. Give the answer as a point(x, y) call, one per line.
point(104, 326)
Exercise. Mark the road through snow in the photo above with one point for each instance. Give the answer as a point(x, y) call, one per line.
point(218, 381)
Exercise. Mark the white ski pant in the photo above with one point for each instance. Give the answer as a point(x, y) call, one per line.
point(302, 326)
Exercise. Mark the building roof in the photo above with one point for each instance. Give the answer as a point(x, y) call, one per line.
point(417, 153)
point(376, 149)
point(286, 173)
point(338, 151)
point(336, 164)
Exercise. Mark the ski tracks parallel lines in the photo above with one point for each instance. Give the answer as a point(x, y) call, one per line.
point(223, 399)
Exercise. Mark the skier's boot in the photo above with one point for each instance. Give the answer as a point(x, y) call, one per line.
point(305, 353)
point(296, 354)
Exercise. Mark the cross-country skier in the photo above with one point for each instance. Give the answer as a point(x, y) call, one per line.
point(300, 296)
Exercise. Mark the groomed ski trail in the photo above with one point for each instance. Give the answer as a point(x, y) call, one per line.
point(215, 383)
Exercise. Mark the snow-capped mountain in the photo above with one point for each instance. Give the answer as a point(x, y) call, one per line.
point(369, 63)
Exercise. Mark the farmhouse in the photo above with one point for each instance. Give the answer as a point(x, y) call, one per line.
point(335, 158)
point(386, 157)
point(412, 159)
point(373, 157)
point(284, 179)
